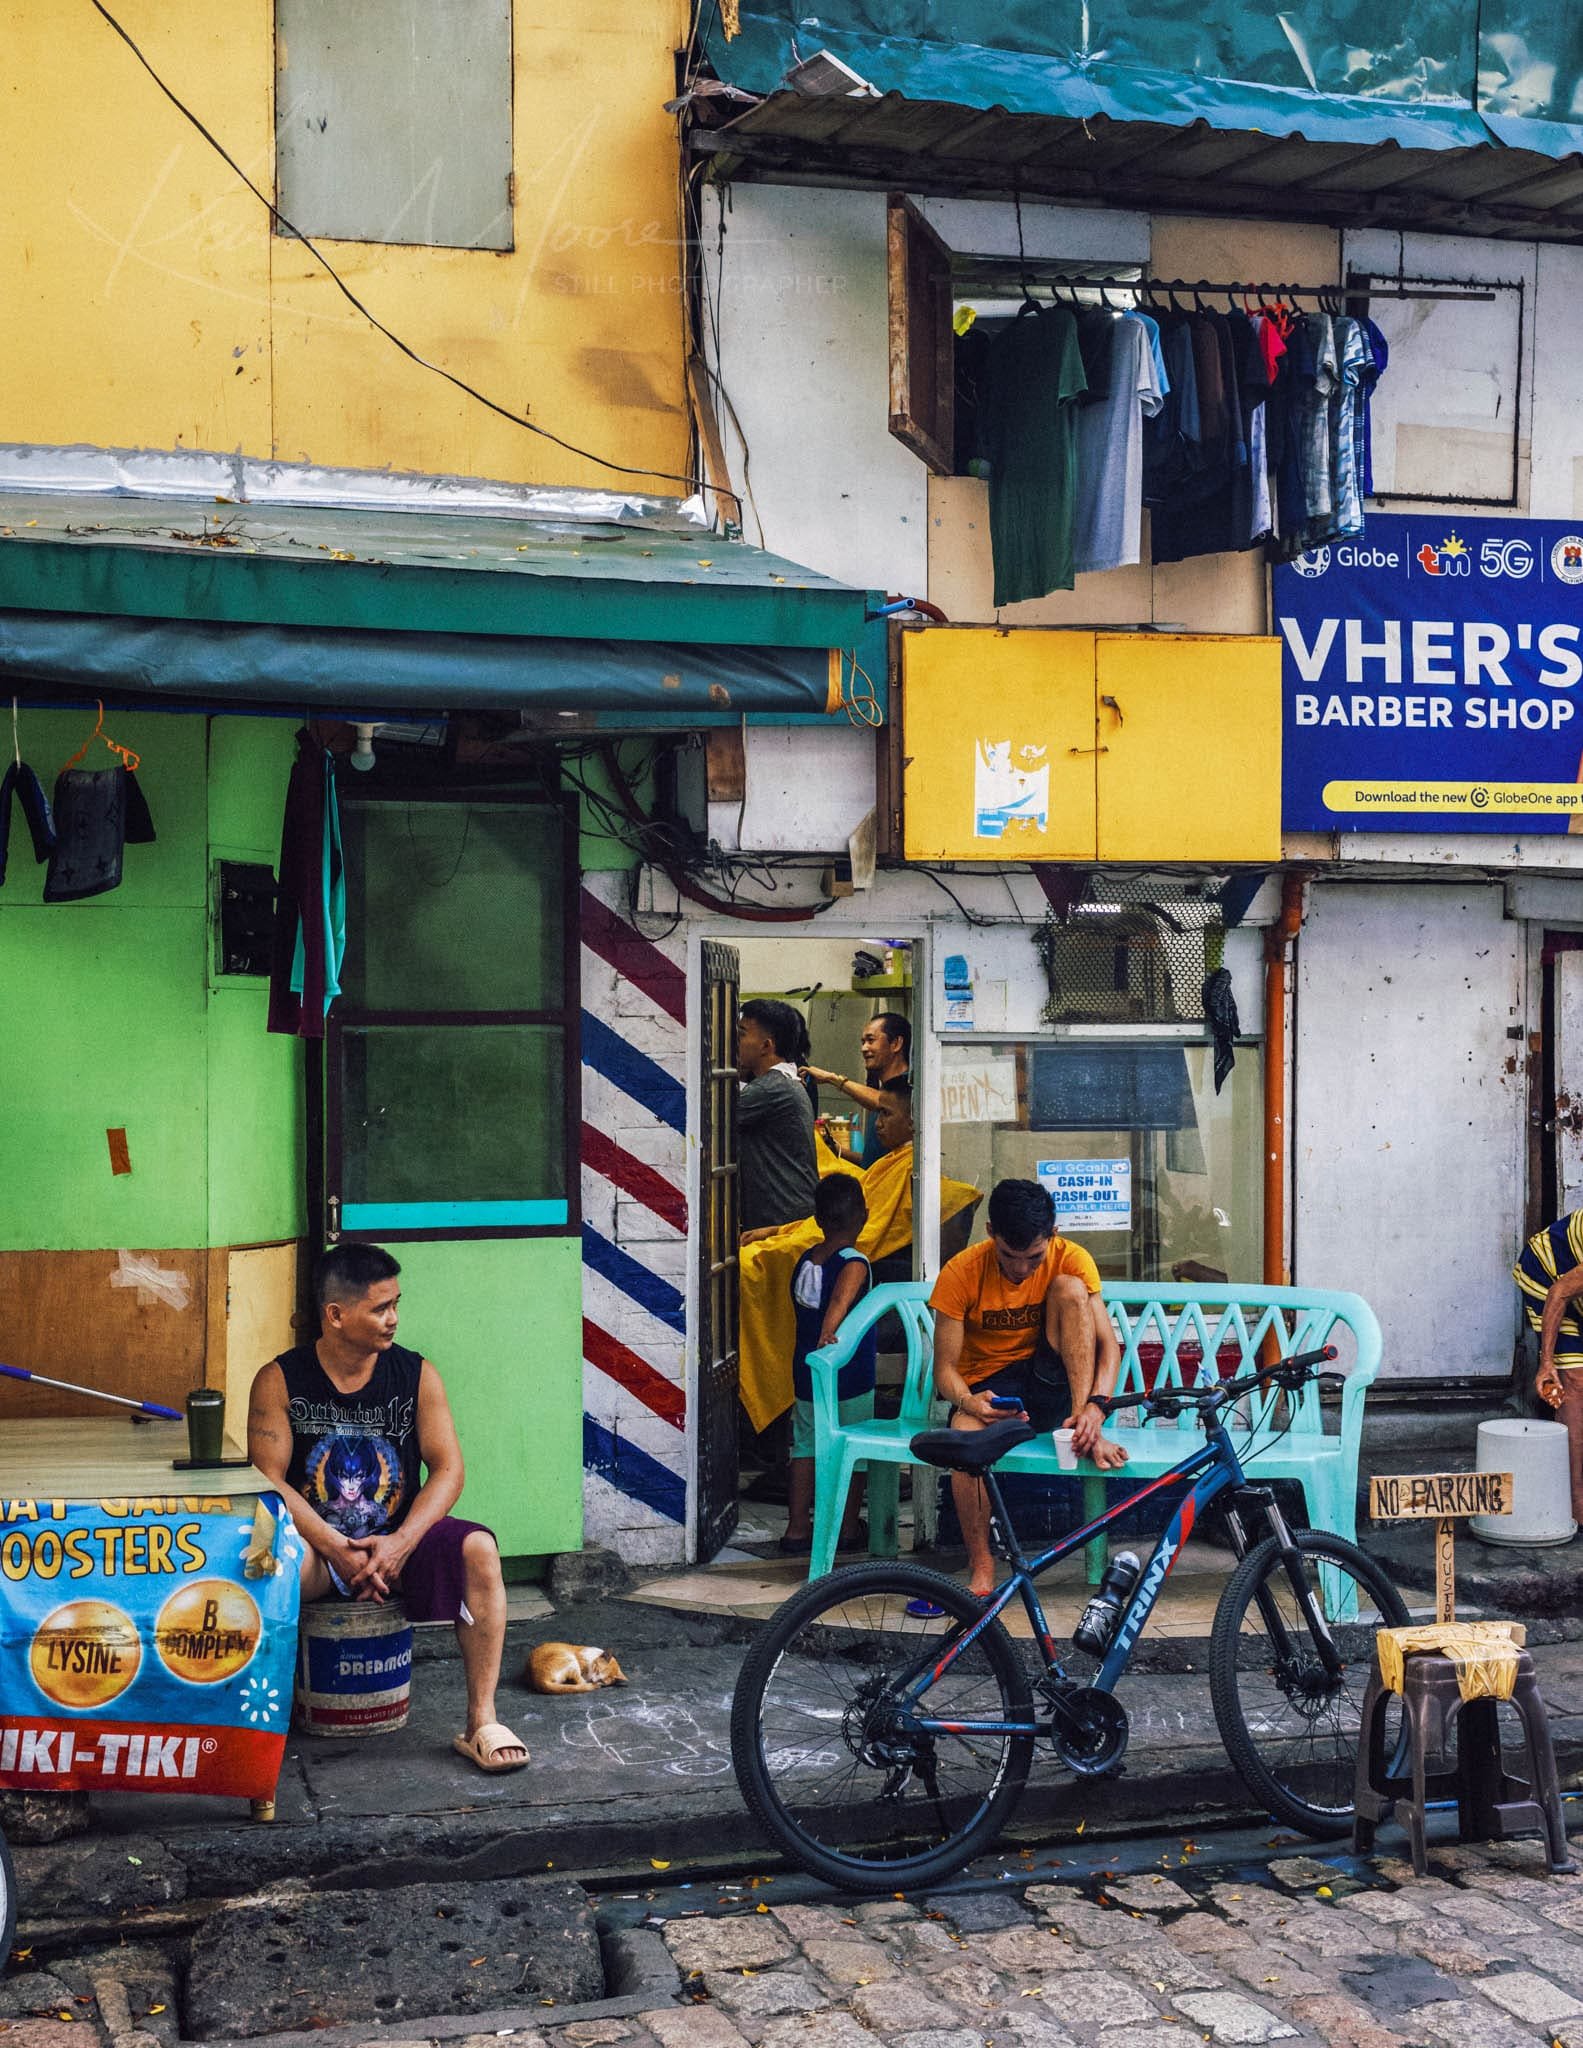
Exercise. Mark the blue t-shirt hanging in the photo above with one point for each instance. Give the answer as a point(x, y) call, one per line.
point(812, 1285)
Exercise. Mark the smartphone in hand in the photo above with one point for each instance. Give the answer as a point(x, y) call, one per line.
point(1009, 1403)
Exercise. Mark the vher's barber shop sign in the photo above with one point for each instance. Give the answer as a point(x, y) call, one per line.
point(1433, 678)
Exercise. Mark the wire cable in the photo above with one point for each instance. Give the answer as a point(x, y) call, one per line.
point(505, 412)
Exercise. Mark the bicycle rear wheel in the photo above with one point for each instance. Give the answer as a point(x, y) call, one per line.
point(823, 1743)
point(1291, 1724)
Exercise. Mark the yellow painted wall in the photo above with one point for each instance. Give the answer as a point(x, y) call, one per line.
point(146, 302)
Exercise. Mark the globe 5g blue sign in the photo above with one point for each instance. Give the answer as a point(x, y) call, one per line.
point(1433, 678)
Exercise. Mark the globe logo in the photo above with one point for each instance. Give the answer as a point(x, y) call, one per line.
point(1312, 564)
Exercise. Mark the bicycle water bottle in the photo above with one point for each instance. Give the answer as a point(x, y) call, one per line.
point(1102, 1614)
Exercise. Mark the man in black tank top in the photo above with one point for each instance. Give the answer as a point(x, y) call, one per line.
point(347, 1427)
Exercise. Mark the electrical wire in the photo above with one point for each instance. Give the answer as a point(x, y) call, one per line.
point(939, 881)
point(505, 412)
point(707, 331)
point(680, 881)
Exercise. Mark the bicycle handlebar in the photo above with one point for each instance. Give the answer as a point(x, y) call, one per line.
point(1290, 1373)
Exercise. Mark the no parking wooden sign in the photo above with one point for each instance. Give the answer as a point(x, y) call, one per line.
point(1441, 1497)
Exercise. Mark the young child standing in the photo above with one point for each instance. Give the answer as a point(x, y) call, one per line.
point(826, 1285)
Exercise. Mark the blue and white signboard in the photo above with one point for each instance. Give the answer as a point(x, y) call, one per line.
point(1433, 678)
point(1089, 1194)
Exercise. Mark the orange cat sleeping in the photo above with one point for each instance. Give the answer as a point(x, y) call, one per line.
point(562, 1667)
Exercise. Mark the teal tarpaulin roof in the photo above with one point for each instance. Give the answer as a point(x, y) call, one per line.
point(1422, 74)
point(316, 604)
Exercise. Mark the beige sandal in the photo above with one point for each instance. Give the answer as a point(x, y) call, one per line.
point(487, 1748)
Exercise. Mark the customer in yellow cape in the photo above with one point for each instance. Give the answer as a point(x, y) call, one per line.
point(768, 1328)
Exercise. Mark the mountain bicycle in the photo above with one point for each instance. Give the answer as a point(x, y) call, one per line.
point(884, 1723)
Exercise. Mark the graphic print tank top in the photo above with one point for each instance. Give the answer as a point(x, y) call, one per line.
point(354, 1457)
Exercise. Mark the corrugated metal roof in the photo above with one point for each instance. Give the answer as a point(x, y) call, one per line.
point(938, 147)
point(489, 543)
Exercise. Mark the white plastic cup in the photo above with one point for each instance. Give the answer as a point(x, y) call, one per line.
point(1065, 1454)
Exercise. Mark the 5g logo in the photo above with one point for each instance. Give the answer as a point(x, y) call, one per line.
point(1514, 558)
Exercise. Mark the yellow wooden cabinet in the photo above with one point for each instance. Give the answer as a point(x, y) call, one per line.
point(1030, 744)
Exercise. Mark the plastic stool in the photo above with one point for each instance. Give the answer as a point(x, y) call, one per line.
point(1491, 1804)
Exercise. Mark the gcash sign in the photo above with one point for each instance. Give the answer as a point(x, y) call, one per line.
point(1433, 678)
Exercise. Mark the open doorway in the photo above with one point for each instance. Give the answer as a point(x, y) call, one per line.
point(850, 1005)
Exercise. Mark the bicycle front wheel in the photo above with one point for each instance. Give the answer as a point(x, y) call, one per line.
point(824, 1733)
point(1288, 1717)
point(7, 1904)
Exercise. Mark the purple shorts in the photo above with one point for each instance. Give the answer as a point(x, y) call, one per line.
point(433, 1581)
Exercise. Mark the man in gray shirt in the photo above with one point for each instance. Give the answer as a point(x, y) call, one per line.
point(777, 1172)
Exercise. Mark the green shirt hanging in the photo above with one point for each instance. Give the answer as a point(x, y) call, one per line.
point(1034, 377)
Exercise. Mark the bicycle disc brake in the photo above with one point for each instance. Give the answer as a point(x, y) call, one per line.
point(1090, 1732)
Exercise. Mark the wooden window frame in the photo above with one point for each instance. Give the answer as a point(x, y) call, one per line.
point(922, 362)
point(567, 1017)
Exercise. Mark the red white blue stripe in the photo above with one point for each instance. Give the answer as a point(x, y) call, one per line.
point(633, 1157)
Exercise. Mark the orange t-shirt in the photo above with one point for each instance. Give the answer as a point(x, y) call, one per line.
point(1001, 1322)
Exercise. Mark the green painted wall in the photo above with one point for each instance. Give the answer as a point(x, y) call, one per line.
point(110, 1013)
point(501, 1319)
point(603, 850)
point(255, 1081)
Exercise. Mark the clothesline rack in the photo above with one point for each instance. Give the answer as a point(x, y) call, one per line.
point(1202, 288)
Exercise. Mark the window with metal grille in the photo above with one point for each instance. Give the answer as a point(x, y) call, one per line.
point(1120, 951)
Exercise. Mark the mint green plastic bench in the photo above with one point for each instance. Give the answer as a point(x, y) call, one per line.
point(1198, 1332)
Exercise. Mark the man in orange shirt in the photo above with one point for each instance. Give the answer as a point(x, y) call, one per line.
point(1020, 1315)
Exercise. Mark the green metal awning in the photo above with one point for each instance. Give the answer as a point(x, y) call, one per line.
point(1322, 107)
point(394, 609)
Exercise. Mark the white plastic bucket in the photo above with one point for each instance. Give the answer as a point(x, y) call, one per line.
point(1538, 1455)
point(354, 1667)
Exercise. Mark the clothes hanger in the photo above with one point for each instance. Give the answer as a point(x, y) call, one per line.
point(129, 760)
point(16, 744)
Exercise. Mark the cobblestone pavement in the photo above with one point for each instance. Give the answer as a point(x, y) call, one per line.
point(1486, 1953)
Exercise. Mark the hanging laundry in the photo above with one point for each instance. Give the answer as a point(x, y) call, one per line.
point(90, 834)
point(1379, 357)
point(1211, 510)
point(1108, 525)
point(20, 781)
point(93, 808)
point(1033, 379)
point(1095, 333)
point(1172, 439)
point(1271, 344)
point(1319, 371)
point(1346, 446)
point(309, 941)
point(1220, 1013)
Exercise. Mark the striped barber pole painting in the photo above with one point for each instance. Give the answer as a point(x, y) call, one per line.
point(634, 1172)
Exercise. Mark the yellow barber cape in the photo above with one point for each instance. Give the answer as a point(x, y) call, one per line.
point(768, 1333)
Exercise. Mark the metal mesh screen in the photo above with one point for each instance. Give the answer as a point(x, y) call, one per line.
point(1130, 951)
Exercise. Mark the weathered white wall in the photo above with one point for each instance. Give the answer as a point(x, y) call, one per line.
point(1442, 412)
point(803, 349)
point(808, 789)
point(1408, 1124)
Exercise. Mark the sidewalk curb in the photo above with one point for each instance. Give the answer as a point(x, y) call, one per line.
point(207, 1872)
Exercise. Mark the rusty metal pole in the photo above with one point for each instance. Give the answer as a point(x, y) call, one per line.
point(1277, 952)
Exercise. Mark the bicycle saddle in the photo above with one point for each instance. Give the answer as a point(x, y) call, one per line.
point(970, 1450)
